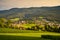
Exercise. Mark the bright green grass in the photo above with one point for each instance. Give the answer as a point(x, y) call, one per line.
point(16, 34)
point(26, 36)
point(31, 34)
point(28, 25)
point(9, 30)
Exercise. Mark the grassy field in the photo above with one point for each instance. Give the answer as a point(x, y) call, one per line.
point(9, 37)
point(27, 35)
point(9, 30)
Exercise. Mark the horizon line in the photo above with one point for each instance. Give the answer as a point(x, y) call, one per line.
point(28, 7)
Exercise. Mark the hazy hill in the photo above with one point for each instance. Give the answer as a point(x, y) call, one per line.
point(50, 13)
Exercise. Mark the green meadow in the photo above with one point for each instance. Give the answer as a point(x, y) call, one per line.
point(16, 34)
point(29, 36)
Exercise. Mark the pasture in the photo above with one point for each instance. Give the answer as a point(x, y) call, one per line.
point(16, 34)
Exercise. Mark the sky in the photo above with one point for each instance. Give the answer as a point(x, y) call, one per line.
point(8, 4)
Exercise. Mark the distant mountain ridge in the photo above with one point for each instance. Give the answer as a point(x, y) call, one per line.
point(51, 13)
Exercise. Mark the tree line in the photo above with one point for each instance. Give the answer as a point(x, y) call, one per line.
point(44, 26)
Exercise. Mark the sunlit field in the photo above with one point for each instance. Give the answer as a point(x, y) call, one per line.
point(29, 36)
point(8, 34)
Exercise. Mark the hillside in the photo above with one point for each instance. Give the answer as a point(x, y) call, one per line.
point(50, 13)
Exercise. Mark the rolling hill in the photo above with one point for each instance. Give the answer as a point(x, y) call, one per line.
point(50, 13)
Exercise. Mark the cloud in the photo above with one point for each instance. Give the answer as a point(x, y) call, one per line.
point(7, 4)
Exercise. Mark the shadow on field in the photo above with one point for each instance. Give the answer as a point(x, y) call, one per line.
point(43, 37)
point(50, 37)
point(8, 37)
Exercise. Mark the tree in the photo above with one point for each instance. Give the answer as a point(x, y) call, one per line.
point(2, 22)
point(9, 23)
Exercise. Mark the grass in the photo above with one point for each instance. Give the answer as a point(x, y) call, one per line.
point(28, 36)
point(16, 34)
point(28, 25)
point(9, 30)
point(8, 37)
point(51, 37)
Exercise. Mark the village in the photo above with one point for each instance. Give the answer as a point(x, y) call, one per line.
point(35, 24)
point(42, 24)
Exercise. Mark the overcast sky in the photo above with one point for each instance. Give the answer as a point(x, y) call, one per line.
point(7, 4)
